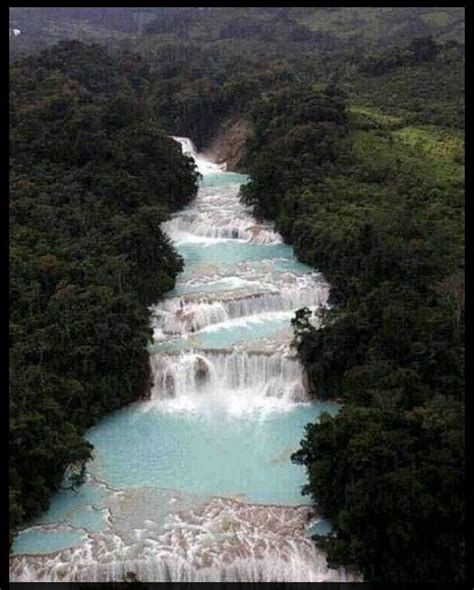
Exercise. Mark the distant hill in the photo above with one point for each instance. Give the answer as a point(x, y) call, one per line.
point(333, 29)
point(383, 26)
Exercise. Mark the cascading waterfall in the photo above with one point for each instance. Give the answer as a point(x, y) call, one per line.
point(229, 540)
point(179, 315)
point(196, 484)
point(222, 218)
point(244, 229)
point(227, 374)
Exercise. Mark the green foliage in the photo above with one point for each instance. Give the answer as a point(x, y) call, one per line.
point(430, 92)
point(291, 147)
point(375, 202)
point(333, 29)
point(92, 178)
point(390, 480)
point(383, 26)
point(419, 50)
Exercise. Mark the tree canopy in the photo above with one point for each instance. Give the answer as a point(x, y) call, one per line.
point(91, 179)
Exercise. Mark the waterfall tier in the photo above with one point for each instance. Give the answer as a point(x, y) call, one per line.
point(190, 313)
point(227, 376)
point(224, 540)
point(226, 228)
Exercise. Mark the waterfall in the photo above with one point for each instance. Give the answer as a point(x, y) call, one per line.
point(221, 218)
point(187, 146)
point(228, 376)
point(180, 315)
point(296, 564)
point(204, 165)
point(245, 229)
point(222, 366)
point(224, 540)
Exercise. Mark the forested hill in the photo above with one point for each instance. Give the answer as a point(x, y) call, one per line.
point(91, 179)
point(331, 29)
point(370, 190)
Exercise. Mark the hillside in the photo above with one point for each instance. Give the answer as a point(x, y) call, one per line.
point(337, 30)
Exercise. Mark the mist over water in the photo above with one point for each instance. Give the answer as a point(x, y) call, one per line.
point(196, 483)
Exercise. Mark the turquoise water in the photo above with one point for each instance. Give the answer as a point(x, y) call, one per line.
point(236, 330)
point(323, 527)
point(229, 252)
point(232, 332)
point(43, 542)
point(210, 287)
point(82, 507)
point(204, 453)
point(224, 440)
point(209, 453)
point(211, 179)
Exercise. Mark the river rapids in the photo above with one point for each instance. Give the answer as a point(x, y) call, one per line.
point(196, 483)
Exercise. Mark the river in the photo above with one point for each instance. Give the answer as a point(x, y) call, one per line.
point(196, 483)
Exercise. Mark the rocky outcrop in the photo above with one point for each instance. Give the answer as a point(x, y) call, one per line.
point(229, 144)
point(201, 371)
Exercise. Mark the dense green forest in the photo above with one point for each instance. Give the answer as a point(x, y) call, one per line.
point(332, 29)
point(91, 180)
point(375, 200)
point(356, 151)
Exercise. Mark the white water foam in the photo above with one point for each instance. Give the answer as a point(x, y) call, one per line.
point(180, 315)
point(182, 229)
point(224, 540)
point(204, 165)
point(217, 213)
point(240, 381)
